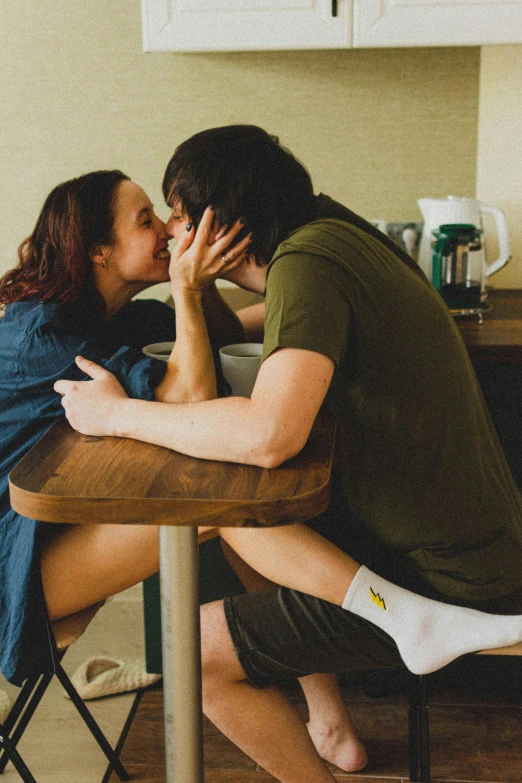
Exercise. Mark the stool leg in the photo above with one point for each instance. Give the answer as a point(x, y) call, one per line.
point(22, 711)
point(413, 729)
point(419, 731)
point(97, 733)
point(15, 758)
point(424, 731)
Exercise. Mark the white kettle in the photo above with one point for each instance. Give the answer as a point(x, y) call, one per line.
point(453, 209)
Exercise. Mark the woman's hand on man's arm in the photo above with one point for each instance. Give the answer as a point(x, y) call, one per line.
point(92, 407)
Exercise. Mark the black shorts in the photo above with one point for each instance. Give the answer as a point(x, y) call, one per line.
point(281, 634)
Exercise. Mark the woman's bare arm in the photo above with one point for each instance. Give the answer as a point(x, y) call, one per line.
point(253, 321)
point(190, 374)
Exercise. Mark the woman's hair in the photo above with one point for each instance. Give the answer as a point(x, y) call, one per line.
point(54, 263)
point(241, 171)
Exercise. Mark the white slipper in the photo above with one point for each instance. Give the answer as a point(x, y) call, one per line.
point(5, 706)
point(100, 676)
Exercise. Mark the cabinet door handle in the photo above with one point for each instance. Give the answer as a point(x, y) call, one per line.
point(334, 7)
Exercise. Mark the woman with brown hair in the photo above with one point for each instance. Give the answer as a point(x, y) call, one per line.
point(96, 244)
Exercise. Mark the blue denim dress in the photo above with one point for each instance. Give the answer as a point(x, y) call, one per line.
point(38, 344)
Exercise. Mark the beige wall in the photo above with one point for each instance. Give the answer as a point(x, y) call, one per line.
point(377, 128)
point(499, 169)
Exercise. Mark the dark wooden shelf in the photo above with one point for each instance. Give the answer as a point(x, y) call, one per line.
point(499, 337)
point(495, 348)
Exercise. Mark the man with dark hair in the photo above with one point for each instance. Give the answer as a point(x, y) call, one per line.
point(422, 493)
point(242, 170)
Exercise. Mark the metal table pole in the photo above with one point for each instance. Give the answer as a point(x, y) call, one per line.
point(181, 653)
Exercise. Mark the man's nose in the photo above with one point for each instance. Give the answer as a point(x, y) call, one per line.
point(169, 230)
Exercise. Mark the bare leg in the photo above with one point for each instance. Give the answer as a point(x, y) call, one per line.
point(262, 723)
point(329, 725)
point(84, 564)
point(284, 555)
point(251, 580)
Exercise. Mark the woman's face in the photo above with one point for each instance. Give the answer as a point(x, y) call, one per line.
point(140, 252)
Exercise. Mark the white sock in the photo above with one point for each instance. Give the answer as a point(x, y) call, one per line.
point(429, 634)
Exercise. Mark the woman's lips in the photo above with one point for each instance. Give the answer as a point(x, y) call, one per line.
point(162, 255)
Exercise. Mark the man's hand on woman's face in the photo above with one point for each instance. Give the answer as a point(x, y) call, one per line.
point(198, 259)
point(90, 406)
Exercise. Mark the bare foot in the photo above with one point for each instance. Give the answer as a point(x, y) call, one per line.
point(340, 746)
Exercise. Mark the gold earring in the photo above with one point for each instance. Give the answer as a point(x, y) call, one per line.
point(104, 264)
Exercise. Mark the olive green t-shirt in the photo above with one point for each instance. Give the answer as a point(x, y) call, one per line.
point(421, 473)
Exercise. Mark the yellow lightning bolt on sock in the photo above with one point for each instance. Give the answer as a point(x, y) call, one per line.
point(376, 599)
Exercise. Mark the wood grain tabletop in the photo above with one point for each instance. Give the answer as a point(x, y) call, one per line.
point(72, 478)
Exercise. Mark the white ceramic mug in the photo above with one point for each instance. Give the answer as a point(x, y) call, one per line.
point(158, 350)
point(240, 365)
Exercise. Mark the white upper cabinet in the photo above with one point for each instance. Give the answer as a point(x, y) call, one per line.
point(240, 25)
point(436, 22)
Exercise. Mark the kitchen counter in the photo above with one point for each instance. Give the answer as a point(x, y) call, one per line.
point(495, 348)
point(499, 337)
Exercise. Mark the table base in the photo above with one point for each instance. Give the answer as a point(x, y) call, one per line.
point(179, 562)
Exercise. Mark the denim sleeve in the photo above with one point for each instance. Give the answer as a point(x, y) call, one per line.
point(138, 374)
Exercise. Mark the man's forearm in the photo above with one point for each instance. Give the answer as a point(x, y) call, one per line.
point(266, 430)
point(224, 429)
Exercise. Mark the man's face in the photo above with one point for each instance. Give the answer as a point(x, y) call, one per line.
point(177, 222)
point(247, 275)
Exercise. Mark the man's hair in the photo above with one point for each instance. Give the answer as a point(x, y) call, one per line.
point(241, 171)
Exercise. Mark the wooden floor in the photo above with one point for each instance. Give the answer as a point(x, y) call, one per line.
point(475, 718)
